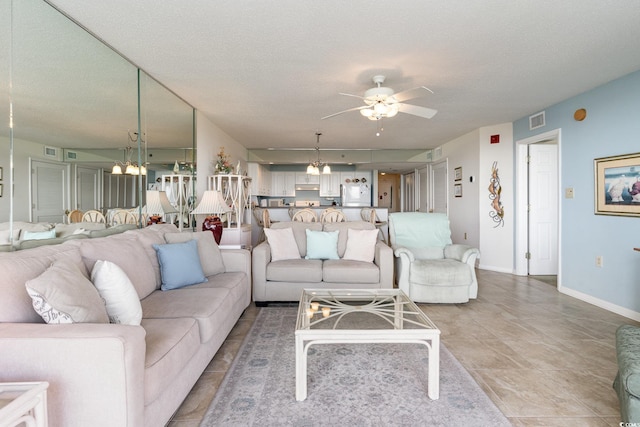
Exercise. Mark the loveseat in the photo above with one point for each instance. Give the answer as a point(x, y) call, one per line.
point(119, 374)
point(285, 263)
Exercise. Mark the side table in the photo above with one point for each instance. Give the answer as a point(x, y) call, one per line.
point(23, 402)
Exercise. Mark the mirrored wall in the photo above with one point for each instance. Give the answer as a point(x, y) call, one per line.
point(72, 108)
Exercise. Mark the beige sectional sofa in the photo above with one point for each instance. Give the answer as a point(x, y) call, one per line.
point(106, 374)
point(284, 279)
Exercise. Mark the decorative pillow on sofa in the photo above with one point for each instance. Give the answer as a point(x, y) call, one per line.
point(322, 244)
point(179, 265)
point(283, 244)
point(117, 291)
point(5, 236)
point(38, 235)
point(361, 245)
point(62, 294)
point(210, 255)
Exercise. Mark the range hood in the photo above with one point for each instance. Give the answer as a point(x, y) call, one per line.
point(308, 187)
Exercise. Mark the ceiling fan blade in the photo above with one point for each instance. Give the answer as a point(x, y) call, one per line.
point(416, 110)
point(345, 111)
point(349, 94)
point(411, 93)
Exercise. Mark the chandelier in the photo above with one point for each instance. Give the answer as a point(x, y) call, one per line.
point(314, 167)
point(130, 168)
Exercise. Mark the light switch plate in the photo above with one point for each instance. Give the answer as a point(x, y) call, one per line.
point(568, 193)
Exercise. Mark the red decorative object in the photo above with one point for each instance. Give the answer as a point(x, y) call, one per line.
point(155, 219)
point(214, 224)
point(495, 139)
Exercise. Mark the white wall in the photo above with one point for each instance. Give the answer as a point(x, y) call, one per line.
point(463, 211)
point(209, 140)
point(496, 239)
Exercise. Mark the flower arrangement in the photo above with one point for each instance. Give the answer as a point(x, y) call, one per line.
point(223, 164)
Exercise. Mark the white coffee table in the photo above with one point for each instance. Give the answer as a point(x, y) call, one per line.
point(334, 316)
point(23, 403)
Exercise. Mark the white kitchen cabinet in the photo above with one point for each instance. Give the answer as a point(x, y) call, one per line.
point(330, 185)
point(304, 178)
point(260, 179)
point(283, 184)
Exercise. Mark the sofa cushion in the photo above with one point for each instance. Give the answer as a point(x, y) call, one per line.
point(442, 272)
point(118, 293)
point(343, 228)
point(126, 252)
point(18, 267)
point(295, 270)
point(63, 294)
point(64, 230)
point(282, 243)
point(149, 236)
point(170, 343)
point(200, 303)
point(179, 265)
point(210, 256)
point(299, 232)
point(347, 271)
point(361, 245)
point(322, 244)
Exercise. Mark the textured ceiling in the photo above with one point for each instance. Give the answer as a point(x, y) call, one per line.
point(265, 72)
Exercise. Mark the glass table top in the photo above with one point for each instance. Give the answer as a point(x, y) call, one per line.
point(359, 309)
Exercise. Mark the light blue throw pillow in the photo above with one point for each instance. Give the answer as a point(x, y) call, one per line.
point(179, 265)
point(39, 235)
point(322, 244)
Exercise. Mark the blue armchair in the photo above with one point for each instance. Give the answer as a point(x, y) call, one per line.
point(429, 268)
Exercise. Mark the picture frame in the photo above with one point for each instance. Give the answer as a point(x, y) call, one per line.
point(1, 190)
point(1, 173)
point(617, 185)
point(457, 173)
point(457, 190)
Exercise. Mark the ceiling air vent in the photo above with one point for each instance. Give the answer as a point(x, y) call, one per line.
point(536, 121)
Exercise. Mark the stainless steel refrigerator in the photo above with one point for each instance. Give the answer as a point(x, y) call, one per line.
point(355, 194)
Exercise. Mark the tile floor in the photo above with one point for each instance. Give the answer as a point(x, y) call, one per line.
point(544, 358)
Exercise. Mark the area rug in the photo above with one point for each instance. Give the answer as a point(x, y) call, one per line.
point(348, 384)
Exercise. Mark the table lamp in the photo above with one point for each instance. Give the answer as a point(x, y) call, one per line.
point(212, 204)
point(158, 205)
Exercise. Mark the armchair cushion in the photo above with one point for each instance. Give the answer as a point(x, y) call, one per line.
point(415, 231)
point(442, 272)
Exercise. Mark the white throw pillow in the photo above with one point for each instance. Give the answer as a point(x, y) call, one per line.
point(283, 244)
point(118, 293)
point(361, 245)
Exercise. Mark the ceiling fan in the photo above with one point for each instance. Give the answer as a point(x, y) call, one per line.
point(381, 102)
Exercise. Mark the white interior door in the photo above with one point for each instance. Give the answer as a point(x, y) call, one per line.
point(49, 191)
point(88, 189)
point(409, 196)
point(422, 200)
point(439, 188)
point(543, 209)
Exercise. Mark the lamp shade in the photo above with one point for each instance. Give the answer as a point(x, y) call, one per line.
point(212, 202)
point(116, 170)
point(158, 203)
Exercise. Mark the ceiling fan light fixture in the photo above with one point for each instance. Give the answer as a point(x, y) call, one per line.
point(367, 112)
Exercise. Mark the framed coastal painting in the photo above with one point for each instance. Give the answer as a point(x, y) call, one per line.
point(457, 173)
point(617, 185)
point(457, 190)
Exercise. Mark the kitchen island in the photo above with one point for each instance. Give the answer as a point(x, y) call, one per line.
point(281, 213)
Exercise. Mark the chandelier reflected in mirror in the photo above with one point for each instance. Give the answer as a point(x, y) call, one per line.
point(314, 167)
point(130, 167)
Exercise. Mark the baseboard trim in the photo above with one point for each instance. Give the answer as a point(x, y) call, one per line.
point(622, 311)
point(496, 269)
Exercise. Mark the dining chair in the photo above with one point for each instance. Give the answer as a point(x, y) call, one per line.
point(75, 216)
point(93, 216)
point(332, 215)
point(123, 216)
point(305, 215)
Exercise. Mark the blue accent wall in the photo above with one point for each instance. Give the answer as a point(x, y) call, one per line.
point(612, 127)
